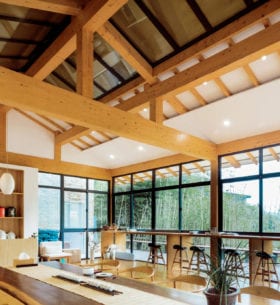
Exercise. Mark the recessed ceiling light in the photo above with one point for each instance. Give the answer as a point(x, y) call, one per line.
point(264, 57)
point(227, 123)
point(112, 157)
point(145, 109)
point(141, 148)
point(205, 83)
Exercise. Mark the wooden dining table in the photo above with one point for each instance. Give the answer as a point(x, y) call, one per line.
point(27, 280)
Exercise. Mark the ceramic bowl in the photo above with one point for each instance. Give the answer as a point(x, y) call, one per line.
point(88, 271)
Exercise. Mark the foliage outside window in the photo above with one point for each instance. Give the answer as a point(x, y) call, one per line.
point(250, 183)
point(163, 199)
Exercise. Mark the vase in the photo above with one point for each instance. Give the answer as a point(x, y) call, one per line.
point(214, 298)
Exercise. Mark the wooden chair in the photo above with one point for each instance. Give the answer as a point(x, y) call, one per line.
point(104, 265)
point(141, 272)
point(260, 291)
point(193, 279)
point(17, 294)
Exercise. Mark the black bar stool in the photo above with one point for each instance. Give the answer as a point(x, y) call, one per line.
point(266, 267)
point(198, 258)
point(181, 256)
point(234, 262)
point(155, 253)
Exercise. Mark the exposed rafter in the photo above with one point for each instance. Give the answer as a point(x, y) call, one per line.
point(90, 18)
point(238, 55)
point(18, 90)
point(68, 7)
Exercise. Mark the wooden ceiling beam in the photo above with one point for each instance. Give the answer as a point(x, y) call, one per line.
point(71, 134)
point(30, 94)
point(127, 51)
point(176, 104)
point(238, 55)
point(90, 18)
point(67, 7)
point(256, 16)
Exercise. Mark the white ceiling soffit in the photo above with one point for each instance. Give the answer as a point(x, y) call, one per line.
point(114, 154)
point(251, 112)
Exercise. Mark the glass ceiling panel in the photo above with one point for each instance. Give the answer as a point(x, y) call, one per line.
point(140, 30)
point(178, 19)
point(112, 58)
point(217, 11)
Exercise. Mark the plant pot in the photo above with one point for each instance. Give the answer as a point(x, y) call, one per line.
point(214, 298)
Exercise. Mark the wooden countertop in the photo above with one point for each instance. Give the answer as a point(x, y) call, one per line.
point(206, 234)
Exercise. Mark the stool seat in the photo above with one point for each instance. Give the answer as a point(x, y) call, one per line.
point(179, 247)
point(232, 252)
point(263, 255)
point(198, 258)
point(197, 249)
point(153, 245)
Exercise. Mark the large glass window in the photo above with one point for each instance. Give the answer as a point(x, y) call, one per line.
point(70, 208)
point(271, 205)
point(142, 211)
point(122, 211)
point(250, 184)
point(74, 210)
point(167, 209)
point(241, 206)
point(196, 208)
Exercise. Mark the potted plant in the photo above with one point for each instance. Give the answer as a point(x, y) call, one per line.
point(222, 287)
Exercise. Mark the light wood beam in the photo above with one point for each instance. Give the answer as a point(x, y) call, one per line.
point(223, 35)
point(85, 63)
point(56, 166)
point(21, 91)
point(198, 96)
point(199, 167)
point(71, 134)
point(232, 161)
point(252, 157)
point(251, 75)
point(156, 110)
point(186, 171)
point(222, 86)
point(127, 51)
point(176, 104)
point(129, 87)
point(57, 152)
point(238, 55)
point(160, 174)
point(266, 139)
point(90, 18)
point(172, 172)
point(274, 154)
point(3, 130)
point(67, 7)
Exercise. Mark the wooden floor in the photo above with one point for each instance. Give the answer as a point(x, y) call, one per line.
point(163, 278)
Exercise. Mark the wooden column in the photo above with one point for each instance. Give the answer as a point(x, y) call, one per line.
point(214, 207)
point(85, 63)
point(156, 110)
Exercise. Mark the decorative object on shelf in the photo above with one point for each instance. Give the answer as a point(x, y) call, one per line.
point(10, 212)
point(11, 235)
point(7, 183)
point(3, 234)
point(2, 212)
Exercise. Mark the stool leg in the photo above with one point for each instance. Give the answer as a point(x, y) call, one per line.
point(257, 271)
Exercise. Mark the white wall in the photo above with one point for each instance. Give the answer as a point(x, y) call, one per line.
point(27, 137)
point(30, 198)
